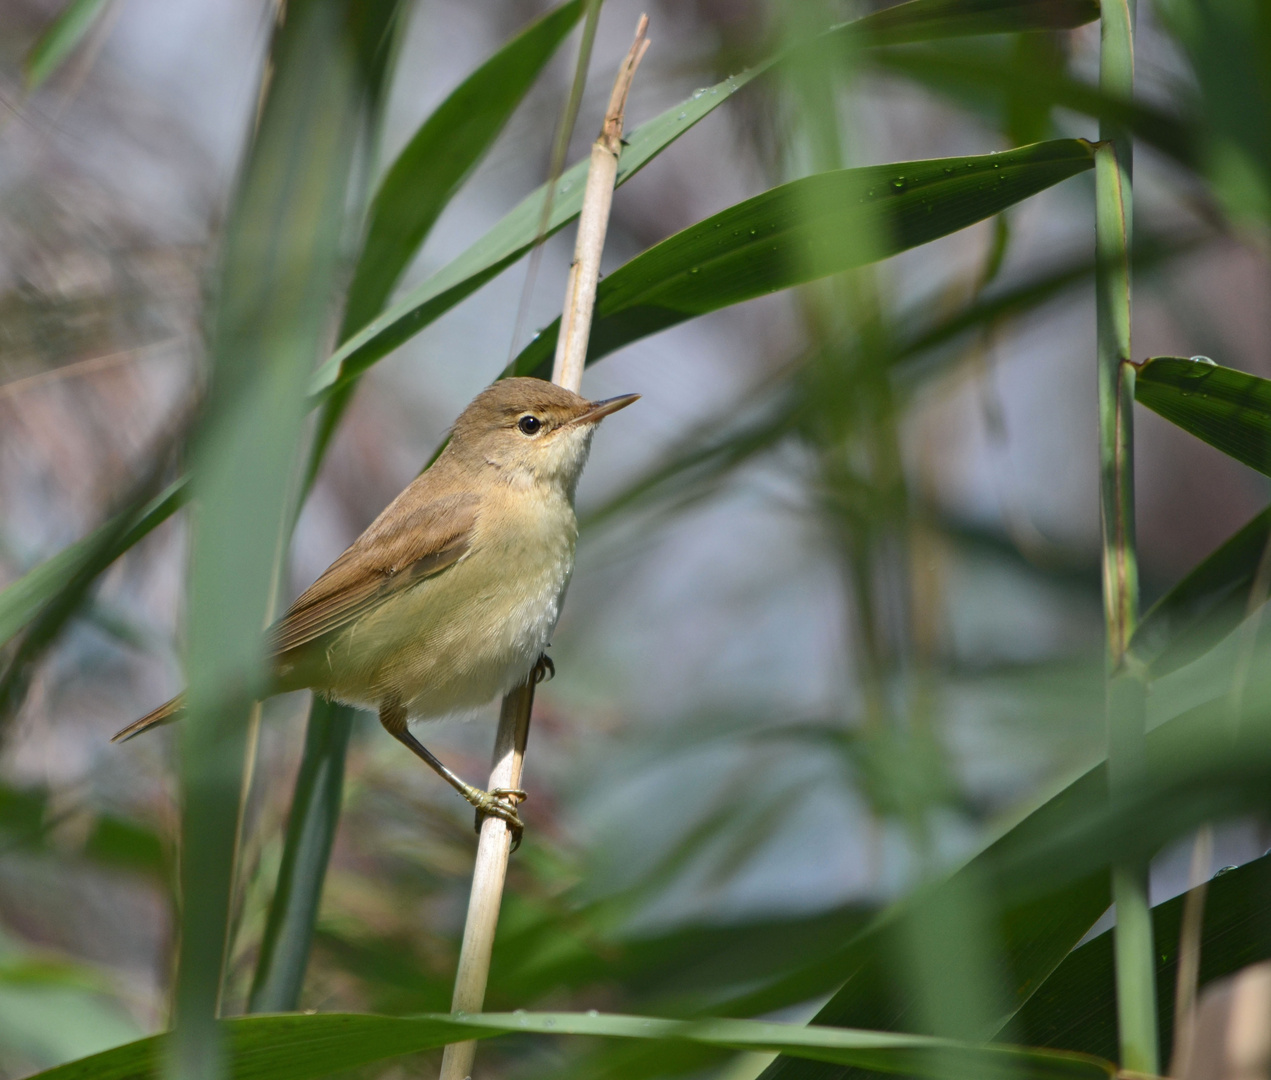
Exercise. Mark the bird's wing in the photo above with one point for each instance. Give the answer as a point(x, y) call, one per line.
point(402, 547)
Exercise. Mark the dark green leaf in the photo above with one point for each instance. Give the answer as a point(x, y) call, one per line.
point(923, 20)
point(292, 1047)
point(806, 230)
point(1210, 764)
point(315, 812)
point(1076, 1008)
point(979, 71)
point(1228, 409)
point(1203, 608)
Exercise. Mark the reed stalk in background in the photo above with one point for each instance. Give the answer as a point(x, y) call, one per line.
point(1126, 690)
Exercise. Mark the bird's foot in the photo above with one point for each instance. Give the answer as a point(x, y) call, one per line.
point(500, 803)
point(544, 669)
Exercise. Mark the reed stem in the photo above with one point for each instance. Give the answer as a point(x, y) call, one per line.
point(495, 844)
point(1126, 692)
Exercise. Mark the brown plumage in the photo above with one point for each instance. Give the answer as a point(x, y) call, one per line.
point(450, 595)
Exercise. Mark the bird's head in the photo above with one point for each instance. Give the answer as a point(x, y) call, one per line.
point(531, 430)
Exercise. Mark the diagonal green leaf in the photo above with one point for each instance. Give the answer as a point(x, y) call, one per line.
point(1203, 608)
point(1228, 409)
point(924, 20)
point(1076, 1008)
point(981, 71)
point(440, 156)
point(21, 601)
point(1051, 870)
point(517, 232)
point(1035, 933)
point(808, 229)
point(49, 596)
point(1228, 46)
point(59, 40)
point(315, 812)
point(298, 1047)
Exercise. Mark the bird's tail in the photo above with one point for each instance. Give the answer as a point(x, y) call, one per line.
point(166, 713)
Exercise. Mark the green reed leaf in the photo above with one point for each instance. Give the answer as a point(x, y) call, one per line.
point(298, 1047)
point(809, 229)
point(1229, 409)
point(1203, 608)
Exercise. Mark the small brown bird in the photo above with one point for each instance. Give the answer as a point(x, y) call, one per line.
point(449, 598)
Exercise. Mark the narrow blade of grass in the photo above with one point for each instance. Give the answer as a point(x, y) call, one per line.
point(59, 40)
point(278, 269)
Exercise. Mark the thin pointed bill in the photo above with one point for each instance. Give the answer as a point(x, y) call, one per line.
point(600, 409)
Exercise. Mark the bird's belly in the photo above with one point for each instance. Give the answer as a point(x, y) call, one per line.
point(453, 642)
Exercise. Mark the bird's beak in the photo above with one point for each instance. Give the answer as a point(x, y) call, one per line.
point(600, 409)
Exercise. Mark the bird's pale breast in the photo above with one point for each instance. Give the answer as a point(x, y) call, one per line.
point(456, 640)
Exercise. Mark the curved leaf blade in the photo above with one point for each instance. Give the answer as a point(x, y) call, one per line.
point(925, 20)
point(982, 71)
point(300, 1047)
point(441, 155)
point(809, 229)
point(22, 600)
point(1229, 409)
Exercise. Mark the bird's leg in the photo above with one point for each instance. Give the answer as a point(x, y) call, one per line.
point(543, 669)
point(500, 803)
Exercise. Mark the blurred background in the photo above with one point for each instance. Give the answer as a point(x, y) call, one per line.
point(904, 569)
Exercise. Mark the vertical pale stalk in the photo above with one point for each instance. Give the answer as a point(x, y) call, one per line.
point(1135, 961)
point(1190, 935)
point(495, 844)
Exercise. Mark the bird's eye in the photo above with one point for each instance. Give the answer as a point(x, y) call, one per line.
point(529, 425)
